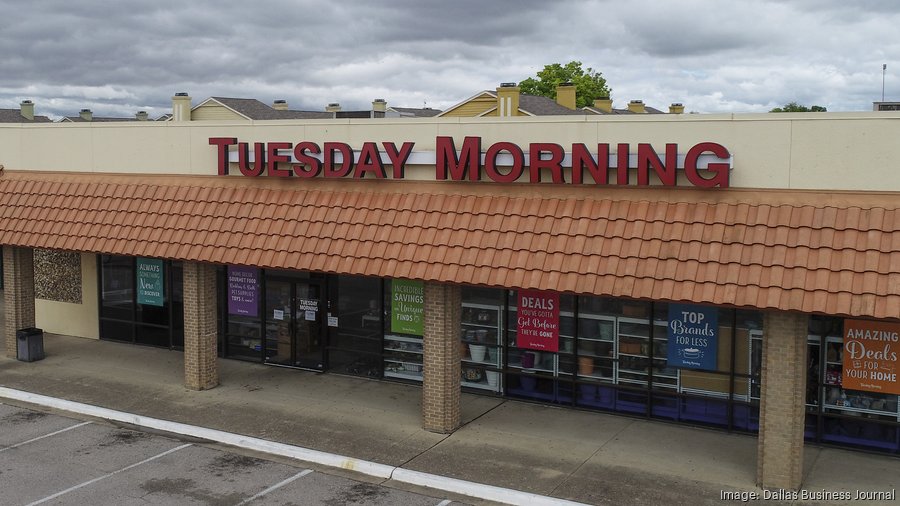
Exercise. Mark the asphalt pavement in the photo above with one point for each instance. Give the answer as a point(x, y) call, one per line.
point(552, 452)
point(53, 459)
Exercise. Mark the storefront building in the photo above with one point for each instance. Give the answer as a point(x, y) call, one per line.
point(735, 272)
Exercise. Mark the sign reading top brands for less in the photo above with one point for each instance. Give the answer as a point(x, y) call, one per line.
point(871, 350)
point(150, 281)
point(407, 306)
point(693, 336)
point(705, 164)
point(538, 320)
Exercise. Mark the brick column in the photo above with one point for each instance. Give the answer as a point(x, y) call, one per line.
point(200, 367)
point(440, 389)
point(782, 403)
point(18, 293)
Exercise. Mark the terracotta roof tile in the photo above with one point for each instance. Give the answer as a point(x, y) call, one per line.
point(813, 252)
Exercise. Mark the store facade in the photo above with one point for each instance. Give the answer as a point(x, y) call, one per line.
point(731, 272)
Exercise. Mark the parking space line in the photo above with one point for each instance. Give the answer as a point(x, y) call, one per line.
point(45, 435)
point(445, 502)
point(95, 480)
point(276, 486)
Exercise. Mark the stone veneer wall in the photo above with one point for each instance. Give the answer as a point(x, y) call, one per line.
point(57, 275)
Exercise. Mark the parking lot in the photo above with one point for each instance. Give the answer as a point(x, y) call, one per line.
point(52, 459)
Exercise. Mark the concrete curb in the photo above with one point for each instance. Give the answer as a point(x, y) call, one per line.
point(463, 487)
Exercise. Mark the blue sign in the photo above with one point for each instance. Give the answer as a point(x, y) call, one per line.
point(693, 336)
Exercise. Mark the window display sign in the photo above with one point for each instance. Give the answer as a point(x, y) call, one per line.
point(150, 281)
point(693, 333)
point(870, 357)
point(243, 291)
point(538, 320)
point(407, 306)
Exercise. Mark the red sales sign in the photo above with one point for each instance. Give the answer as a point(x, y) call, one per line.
point(871, 352)
point(538, 320)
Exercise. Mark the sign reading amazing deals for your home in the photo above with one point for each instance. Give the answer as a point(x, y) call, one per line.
point(243, 291)
point(538, 320)
point(693, 333)
point(407, 307)
point(150, 281)
point(870, 356)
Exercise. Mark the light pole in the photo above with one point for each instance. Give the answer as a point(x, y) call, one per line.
point(883, 70)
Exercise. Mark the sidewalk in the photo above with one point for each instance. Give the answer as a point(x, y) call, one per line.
point(581, 456)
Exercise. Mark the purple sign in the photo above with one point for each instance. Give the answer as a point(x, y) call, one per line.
point(243, 291)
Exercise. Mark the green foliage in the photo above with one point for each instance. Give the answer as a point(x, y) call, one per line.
point(589, 84)
point(795, 107)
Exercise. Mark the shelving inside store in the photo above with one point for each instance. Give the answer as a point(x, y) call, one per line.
point(480, 346)
point(403, 357)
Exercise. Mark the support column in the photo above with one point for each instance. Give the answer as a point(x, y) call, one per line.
point(440, 388)
point(782, 403)
point(18, 293)
point(201, 370)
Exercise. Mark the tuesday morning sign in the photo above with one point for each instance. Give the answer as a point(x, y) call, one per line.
point(705, 164)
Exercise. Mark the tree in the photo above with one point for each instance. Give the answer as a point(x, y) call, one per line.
point(795, 107)
point(589, 85)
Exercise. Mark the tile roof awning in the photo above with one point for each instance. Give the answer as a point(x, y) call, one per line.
point(823, 252)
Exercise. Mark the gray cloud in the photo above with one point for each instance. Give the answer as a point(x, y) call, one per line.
point(741, 56)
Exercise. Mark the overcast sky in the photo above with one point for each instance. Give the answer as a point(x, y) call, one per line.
point(118, 57)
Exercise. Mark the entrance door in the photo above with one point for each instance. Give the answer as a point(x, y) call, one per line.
point(294, 324)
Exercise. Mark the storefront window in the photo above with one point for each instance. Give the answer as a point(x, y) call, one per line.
point(404, 318)
point(355, 323)
point(843, 402)
point(141, 301)
point(541, 368)
point(480, 341)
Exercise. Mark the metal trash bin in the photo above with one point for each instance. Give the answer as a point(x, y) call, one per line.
point(30, 344)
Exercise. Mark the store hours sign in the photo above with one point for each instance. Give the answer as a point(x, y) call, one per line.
point(693, 333)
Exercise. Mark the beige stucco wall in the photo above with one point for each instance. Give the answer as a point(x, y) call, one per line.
point(851, 151)
point(73, 319)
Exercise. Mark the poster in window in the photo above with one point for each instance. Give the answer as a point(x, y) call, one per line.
point(150, 281)
point(870, 356)
point(243, 291)
point(538, 320)
point(407, 306)
point(693, 333)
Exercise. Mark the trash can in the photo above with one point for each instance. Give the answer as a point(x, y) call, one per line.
point(30, 344)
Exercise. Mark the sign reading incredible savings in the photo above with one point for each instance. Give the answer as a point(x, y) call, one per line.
point(150, 281)
point(243, 291)
point(870, 356)
point(407, 306)
point(693, 336)
point(538, 320)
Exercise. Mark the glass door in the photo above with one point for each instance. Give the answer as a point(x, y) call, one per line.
point(294, 324)
point(308, 345)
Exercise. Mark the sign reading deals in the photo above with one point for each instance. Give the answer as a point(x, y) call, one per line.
point(693, 336)
point(407, 306)
point(870, 356)
point(243, 291)
point(538, 320)
point(150, 281)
